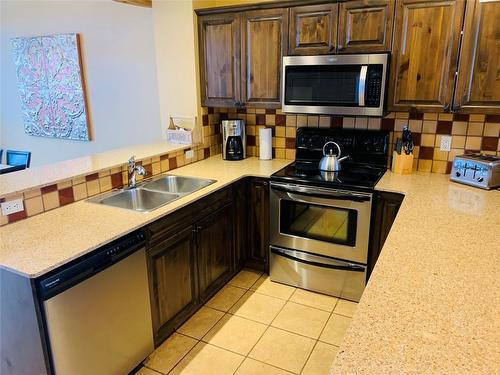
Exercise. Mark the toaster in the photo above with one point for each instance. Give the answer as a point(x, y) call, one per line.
point(482, 171)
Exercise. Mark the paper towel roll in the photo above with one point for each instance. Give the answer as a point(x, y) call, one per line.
point(266, 144)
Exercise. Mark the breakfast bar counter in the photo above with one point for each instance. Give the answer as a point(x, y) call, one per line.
point(431, 305)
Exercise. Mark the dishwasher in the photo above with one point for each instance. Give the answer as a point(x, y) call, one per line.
point(97, 311)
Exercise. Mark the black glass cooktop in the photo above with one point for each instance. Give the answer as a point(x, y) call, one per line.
point(351, 176)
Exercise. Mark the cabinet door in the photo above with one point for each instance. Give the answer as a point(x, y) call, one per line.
point(265, 36)
point(366, 26)
point(425, 54)
point(215, 246)
point(478, 86)
point(258, 226)
point(385, 209)
point(240, 202)
point(313, 29)
point(173, 284)
point(220, 48)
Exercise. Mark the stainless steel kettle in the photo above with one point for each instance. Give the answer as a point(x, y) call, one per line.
point(330, 162)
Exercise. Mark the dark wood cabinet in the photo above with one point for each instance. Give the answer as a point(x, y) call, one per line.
point(258, 224)
point(219, 49)
point(478, 85)
point(384, 211)
point(214, 239)
point(365, 26)
point(264, 43)
point(173, 283)
point(425, 54)
point(240, 216)
point(313, 29)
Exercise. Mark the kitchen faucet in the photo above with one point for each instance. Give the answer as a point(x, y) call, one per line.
point(134, 169)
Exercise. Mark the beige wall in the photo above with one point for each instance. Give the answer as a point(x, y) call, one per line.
point(118, 53)
point(176, 60)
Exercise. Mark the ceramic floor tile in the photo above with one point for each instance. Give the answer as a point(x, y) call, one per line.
point(168, 354)
point(283, 349)
point(335, 329)
point(258, 307)
point(235, 333)
point(147, 371)
point(245, 278)
point(321, 359)
point(316, 300)
point(201, 322)
point(225, 298)
point(264, 285)
point(252, 367)
point(301, 319)
point(346, 308)
point(207, 359)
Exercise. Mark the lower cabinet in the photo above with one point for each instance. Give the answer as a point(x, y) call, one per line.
point(258, 225)
point(385, 209)
point(215, 247)
point(173, 282)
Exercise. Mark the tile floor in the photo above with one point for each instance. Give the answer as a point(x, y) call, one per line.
point(253, 326)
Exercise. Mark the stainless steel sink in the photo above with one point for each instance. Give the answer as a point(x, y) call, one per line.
point(177, 184)
point(152, 194)
point(137, 199)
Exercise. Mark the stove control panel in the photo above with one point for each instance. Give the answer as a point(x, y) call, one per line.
point(482, 171)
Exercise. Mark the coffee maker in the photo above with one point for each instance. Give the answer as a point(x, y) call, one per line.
point(233, 140)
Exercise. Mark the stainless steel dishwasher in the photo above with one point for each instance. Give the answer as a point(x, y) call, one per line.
point(97, 310)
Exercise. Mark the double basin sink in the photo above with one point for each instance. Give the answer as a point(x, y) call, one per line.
point(152, 194)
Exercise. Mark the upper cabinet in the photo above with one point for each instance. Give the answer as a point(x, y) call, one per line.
point(478, 86)
point(425, 54)
point(365, 26)
point(219, 47)
point(313, 29)
point(265, 37)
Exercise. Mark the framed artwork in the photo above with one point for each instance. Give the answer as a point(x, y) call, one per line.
point(50, 82)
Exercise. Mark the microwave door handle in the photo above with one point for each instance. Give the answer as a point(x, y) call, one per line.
point(317, 261)
point(362, 85)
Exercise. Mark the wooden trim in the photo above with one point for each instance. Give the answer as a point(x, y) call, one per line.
point(141, 3)
point(259, 6)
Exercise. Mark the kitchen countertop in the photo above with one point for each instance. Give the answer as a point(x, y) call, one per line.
point(37, 245)
point(49, 174)
point(432, 303)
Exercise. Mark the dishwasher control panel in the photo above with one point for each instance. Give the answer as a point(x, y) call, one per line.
point(82, 268)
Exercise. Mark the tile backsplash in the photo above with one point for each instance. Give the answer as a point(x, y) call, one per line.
point(470, 133)
point(45, 198)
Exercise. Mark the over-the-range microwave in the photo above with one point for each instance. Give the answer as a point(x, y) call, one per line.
point(335, 84)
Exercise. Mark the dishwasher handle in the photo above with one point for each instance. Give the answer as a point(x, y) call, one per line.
point(70, 274)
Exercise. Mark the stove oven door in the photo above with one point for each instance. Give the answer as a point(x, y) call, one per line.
point(330, 222)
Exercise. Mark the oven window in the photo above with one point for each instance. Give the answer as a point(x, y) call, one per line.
point(323, 223)
point(322, 85)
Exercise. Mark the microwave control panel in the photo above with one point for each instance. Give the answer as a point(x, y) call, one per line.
point(374, 85)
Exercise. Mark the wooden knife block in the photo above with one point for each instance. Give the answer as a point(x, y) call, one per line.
point(402, 164)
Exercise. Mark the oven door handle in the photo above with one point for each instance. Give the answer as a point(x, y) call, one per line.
point(318, 261)
point(320, 193)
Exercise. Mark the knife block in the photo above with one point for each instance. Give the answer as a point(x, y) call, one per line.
point(402, 164)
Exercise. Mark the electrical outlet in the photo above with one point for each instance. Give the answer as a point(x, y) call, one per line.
point(445, 143)
point(11, 207)
point(189, 154)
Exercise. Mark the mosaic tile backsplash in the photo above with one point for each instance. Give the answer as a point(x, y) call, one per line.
point(46, 198)
point(470, 133)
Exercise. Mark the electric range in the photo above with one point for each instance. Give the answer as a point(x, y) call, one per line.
point(320, 221)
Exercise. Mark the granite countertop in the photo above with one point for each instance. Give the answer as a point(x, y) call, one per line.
point(37, 245)
point(431, 305)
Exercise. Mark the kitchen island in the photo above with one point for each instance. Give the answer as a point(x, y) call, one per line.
point(431, 305)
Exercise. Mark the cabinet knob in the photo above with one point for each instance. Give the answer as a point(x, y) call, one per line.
point(446, 107)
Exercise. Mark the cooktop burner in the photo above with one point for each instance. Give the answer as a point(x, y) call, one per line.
point(352, 175)
point(367, 151)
